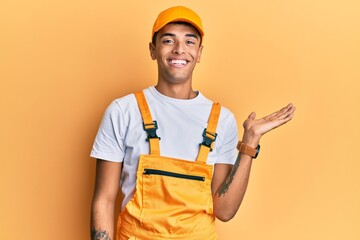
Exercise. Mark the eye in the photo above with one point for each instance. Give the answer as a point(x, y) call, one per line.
point(168, 41)
point(190, 42)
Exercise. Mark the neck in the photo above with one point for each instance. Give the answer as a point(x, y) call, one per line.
point(179, 91)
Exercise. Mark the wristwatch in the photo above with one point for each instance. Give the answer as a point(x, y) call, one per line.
point(245, 149)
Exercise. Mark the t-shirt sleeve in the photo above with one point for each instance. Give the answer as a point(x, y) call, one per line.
point(227, 152)
point(109, 141)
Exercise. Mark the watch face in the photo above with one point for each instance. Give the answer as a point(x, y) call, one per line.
point(257, 151)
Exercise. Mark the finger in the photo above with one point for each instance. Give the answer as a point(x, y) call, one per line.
point(252, 116)
point(285, 109)
point(286, 118)
point(273, 115)
point(289, 111)
point(283, 112)
point(283, 117)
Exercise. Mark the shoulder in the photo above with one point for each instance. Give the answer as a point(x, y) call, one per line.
point(225, 113)
point(124, 102)
point(122, 109)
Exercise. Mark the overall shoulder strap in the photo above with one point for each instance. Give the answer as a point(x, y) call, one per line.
point(209, 134)
point(149, 125)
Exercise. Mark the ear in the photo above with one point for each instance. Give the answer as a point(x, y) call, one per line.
point(199, 55)
point(152, 51)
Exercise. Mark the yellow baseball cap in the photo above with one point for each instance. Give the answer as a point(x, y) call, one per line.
point(177, 14)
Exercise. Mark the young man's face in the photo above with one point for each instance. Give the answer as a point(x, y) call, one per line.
point(177, 50)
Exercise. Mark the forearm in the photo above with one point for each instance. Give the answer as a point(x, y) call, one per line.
point(102, 219)
point(230, 194)
point(103, 206)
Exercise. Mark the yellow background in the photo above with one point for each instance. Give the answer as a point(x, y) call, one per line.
point(62, 62)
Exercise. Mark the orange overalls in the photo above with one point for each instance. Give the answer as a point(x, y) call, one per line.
point(172, 198)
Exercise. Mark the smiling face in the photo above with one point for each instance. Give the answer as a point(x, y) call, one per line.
point(177, 50)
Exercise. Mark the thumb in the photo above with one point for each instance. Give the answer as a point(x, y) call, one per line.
point(252, 116)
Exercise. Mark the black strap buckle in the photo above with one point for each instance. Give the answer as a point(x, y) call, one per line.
point(207, 141)
point(151, 132)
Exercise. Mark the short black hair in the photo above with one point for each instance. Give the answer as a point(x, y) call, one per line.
point(181, 23)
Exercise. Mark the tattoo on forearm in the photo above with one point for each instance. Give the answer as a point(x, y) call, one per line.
point(225, 186)
point(99, 234)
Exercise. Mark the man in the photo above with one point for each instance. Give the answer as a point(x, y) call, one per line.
point(173, 187)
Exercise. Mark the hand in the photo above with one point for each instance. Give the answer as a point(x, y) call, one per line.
point(254, 129)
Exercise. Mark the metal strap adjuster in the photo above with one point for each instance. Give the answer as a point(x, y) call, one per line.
point(151, 131)
point(208, 140)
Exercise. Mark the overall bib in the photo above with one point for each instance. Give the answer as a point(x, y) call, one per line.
point(172, 198)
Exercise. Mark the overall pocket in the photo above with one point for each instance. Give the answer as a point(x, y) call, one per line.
point(176, 196)
point(148, 171)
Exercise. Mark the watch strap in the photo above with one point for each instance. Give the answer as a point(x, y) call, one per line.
point(245, 149)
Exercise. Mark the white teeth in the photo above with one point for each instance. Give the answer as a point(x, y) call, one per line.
point(183, 62)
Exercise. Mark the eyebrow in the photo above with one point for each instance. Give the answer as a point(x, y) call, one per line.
point(192, 35)
point(173, 35)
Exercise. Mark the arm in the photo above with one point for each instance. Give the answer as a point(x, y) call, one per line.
point(103, 206)
point(230, 182)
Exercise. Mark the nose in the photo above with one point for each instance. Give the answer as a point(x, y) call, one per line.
point(179, 48)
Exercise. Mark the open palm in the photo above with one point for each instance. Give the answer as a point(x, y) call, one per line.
point(258, 127)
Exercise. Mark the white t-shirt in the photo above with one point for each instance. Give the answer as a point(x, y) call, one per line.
point(121, 137)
